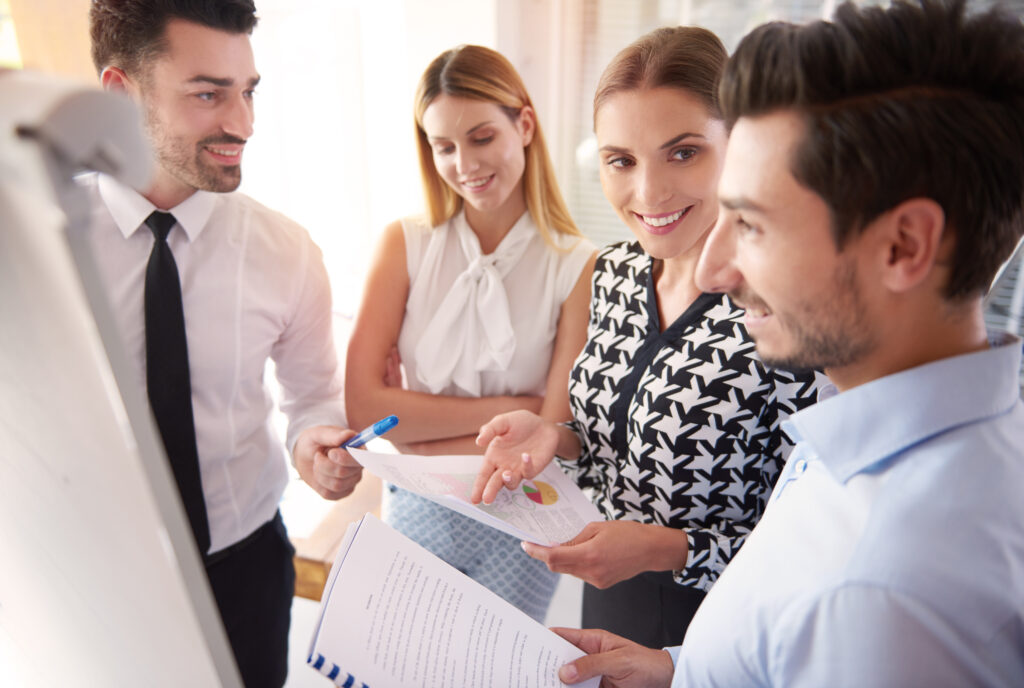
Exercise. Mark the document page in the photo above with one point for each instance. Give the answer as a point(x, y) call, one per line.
point(548, 510)
point(394, 615)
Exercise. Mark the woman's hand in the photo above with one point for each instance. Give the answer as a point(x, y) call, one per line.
point(393, 378)
point(393, 369)
point(519, 444)
point(607, 552)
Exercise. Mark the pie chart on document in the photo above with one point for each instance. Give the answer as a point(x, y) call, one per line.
point(540, 492)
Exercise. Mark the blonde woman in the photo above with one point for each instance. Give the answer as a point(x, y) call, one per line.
point(484, 303)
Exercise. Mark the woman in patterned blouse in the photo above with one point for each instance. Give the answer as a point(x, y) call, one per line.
point(676, 430)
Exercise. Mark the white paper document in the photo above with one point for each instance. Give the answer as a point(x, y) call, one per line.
point(548, 510)
point(393, 615)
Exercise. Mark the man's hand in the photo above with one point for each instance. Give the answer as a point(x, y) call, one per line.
point(323, 464)
point(519, 444)
point(607, 552)
point(621, 663)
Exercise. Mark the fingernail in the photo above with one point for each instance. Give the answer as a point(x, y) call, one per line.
point(523, 545)
point(567, 673)
point(507, 476)
point(526, 458)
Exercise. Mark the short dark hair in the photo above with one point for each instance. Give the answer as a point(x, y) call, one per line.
point(920, 100)
point(685, 57)
point(129, 33)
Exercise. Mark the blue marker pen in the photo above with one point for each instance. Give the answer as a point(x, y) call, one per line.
point(372, 432)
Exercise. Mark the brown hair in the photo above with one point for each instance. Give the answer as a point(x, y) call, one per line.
point(918, 100)
point(129, 33)
point(478, 73)
point(686, 57)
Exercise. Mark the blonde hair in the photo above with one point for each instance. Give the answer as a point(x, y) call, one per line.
point(478, 73)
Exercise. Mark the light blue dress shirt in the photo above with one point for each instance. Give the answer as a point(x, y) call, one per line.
point(892, 550)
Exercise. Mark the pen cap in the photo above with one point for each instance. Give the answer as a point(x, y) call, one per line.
point(385, 424)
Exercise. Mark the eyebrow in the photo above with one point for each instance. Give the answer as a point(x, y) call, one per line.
point(222, 82)
point(668, 144)
point(468, 133)
point(740, 203)
point(685, 135)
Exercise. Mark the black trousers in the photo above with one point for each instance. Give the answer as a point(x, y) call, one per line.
point(650, 609)
point(253, 583)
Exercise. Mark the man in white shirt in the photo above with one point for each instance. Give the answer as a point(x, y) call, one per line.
point(871, 189)
point(247, 285)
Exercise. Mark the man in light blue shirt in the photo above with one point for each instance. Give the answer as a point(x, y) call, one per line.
point(871, 189)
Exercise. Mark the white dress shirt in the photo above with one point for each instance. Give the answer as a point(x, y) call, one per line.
point(892, 550)
point(254, 288)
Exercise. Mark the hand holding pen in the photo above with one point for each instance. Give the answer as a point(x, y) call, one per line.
point(323, 464)
point(322, 459)
point(372, 432)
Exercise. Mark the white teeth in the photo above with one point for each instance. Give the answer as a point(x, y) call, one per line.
point(219, 151)
point(477, 183)
point(662, 221)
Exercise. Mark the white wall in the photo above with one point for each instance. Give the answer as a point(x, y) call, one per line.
point(334, 146)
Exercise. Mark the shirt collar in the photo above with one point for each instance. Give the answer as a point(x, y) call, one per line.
point(859, 428)
point(521, 231)
point(129, 208)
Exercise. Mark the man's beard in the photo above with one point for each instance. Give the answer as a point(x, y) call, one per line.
point(184, 160)
point(830, 333)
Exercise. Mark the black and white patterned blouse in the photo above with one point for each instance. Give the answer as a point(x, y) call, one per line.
point(679, 428)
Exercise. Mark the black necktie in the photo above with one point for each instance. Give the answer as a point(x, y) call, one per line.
point(167, 374)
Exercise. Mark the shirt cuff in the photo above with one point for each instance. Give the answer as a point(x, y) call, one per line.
point(691, 546)
point(704, 561)
point(330, 412)
point(673, 652)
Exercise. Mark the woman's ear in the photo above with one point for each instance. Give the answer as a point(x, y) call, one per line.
point(526, 124)
point(916, 242)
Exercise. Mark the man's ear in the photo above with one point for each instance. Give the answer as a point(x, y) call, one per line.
point(915, 243)
point(114, 79)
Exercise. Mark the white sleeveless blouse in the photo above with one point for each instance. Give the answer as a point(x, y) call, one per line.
point(484, 325)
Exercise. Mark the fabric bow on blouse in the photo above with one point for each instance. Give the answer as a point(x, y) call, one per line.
point(471, 331)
